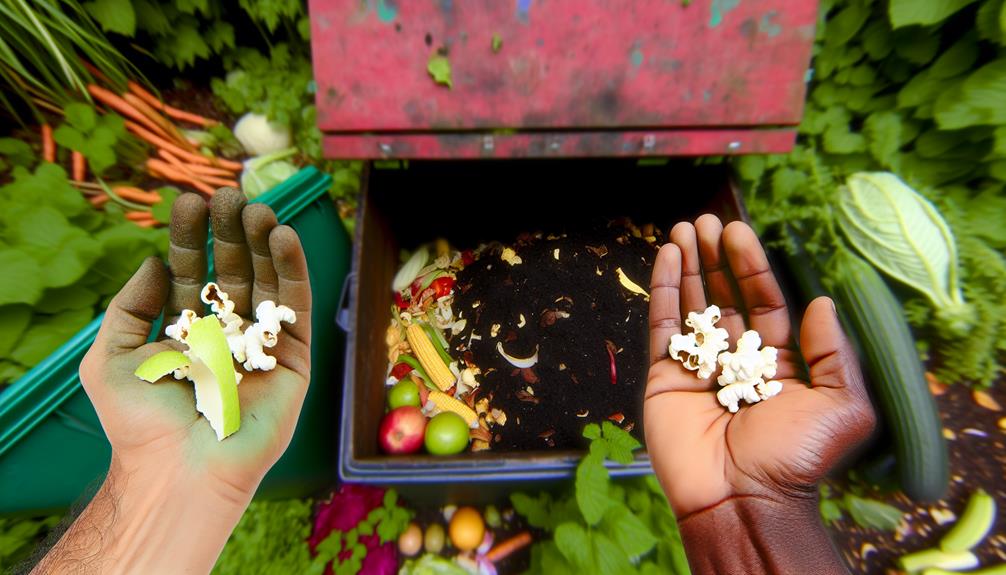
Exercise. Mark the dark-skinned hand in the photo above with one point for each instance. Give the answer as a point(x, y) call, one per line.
point(775, 450)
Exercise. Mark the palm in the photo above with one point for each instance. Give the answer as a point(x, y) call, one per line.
point(775, 447)
point(256, 260)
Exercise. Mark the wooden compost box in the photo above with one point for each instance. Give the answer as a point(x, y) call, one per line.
point(483, 116)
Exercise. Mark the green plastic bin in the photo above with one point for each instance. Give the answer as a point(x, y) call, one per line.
point(52, 447)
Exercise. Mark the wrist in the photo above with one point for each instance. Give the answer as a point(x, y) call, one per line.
point(752, 534)
point(169, 520)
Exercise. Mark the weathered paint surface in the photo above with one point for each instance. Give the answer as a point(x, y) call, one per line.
point(564, 65)
point(559, 144)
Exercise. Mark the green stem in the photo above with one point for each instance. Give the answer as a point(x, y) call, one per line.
point(416, 367)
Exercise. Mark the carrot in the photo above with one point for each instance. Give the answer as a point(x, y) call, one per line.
point(186, 168)
point(95, 71)
point(126, 109)
point(79, 165)
point(171, 111)
point(504, 549)
point(99, 200)
point(139, 216)
point(48, 144)
point(137, 195)
point(160, 142)
point(160, 120)
point(199, 169)
point(147, 223)
point(167, 171)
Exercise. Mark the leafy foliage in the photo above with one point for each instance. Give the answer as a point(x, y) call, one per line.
point(61, 259)
point(270, 538)
point(867, 512)
point(18, 538)
point(90, 134)
point(602, 526)
point(915, 88)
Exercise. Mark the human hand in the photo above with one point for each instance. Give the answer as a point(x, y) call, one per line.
point(155, 427)
point(775, 450)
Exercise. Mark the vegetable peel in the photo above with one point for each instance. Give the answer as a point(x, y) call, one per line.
point(631, 285)
point(212, 372)
point(161, 364)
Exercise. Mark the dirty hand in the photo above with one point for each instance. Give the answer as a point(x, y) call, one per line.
point(157, 424)
point(727, 473)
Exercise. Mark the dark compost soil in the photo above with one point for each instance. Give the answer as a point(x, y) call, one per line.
point(548, 405)
point(977, 443)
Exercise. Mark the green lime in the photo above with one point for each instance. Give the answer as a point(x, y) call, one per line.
point(405, 392)
point(446, 434)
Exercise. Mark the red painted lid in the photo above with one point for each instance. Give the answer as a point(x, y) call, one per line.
point(560, 64)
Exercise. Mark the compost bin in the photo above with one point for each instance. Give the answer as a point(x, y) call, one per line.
point(479, 115)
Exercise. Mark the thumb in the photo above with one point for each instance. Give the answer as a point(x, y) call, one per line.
point(827, 350)
point(131, 313)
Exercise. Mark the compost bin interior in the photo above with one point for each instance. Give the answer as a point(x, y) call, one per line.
point(469, 203)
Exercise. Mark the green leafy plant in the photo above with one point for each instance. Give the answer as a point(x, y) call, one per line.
point(387, 521)
point(18, 538)
point(63, 261)
point(867, 512)
point(42, 44)
point(270, 538)
point(92, 135)
point(604, 526)
point(915, 90)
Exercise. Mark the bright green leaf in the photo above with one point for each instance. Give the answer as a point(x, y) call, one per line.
point(439, 68)
point(843, 26)
point(955, 60)
point(872, 514)
point(81, 116)
point(114, 15)
point(21, 281)
point(535, 510)
point(14, 319)
point(592, 431)
point(877, 40)
point(17, 152)
point(162, 209)
point(574, 544)
point(628, 532)
point(830, 510)
point(917, 45)
point(497, 43)
point(69, 137)
point(883, 133)
point(592, 488)
point(909, 12)
point(47, 332)
point(608, 556)
point(55, 300)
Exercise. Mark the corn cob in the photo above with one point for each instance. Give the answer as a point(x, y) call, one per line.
point(448, 403)
point(429, 358)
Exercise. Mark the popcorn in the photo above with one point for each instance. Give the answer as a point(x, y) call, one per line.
point(698, 350)
point(745, 371)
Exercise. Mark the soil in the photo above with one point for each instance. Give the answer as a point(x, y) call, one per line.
point(977, 444)
point(547, 406)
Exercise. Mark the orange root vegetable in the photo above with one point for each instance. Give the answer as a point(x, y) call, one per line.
point(187, 169)
point(137, 195)
point(161, 169)
point(98, 200)
point(123, 107)
point(48, 144)
point(146, 223)
point(160, 120)
point(198, 169)
point(506, 548)
point(139, 216)
point(98, 75)
point(220, 182)
point(79, 165)
point(171, 111)
point(160, 142)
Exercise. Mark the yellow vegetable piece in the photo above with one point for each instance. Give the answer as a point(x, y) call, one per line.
point(448, 403)
point(160, 364)
point(631, 285)
point(429, 358)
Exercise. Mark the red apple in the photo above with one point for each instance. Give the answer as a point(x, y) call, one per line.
point(402, 430)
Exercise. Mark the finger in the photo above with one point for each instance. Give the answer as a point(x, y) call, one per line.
point(759, 290)
point(230, 250)
point(294, 292)
point(259, 221)
point(131, 313)
point(693, 295)
point(828, 353)
point(719, 280)
point(665, 307)
point(187, 254)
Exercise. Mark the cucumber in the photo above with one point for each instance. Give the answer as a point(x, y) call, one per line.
point(875, 317)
